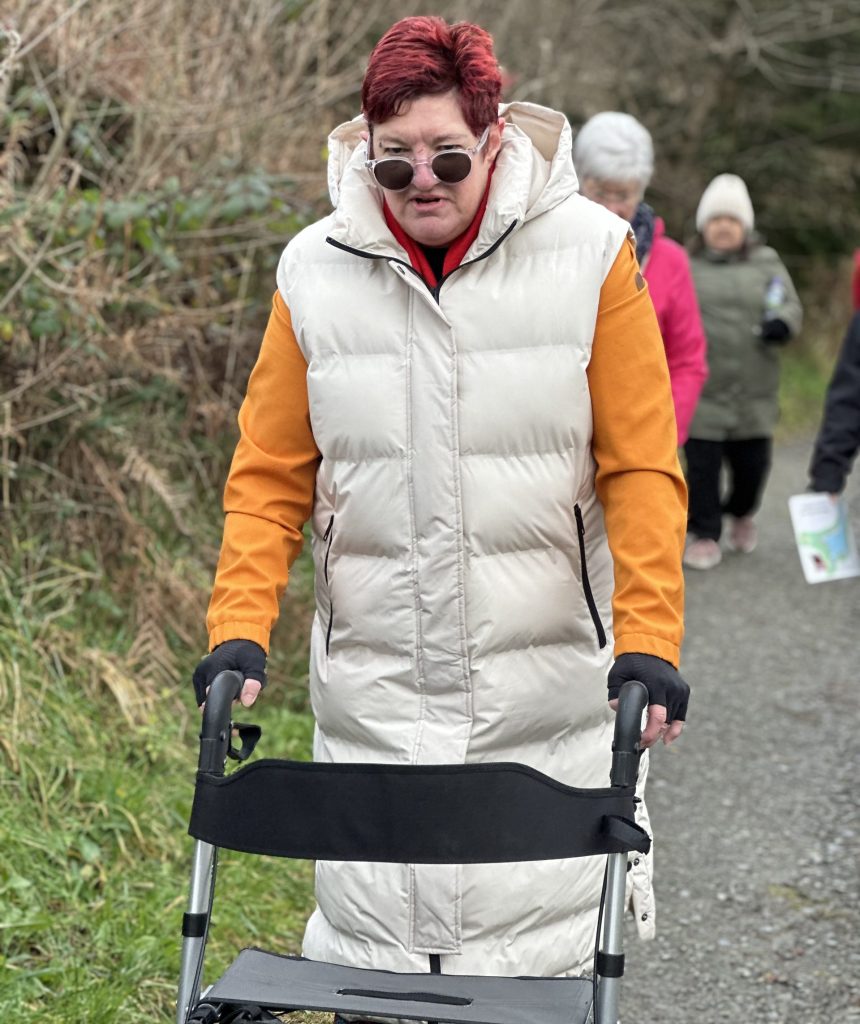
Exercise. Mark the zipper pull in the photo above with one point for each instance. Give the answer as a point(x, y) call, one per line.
point(580, 525)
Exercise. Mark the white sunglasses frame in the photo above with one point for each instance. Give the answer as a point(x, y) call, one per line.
point(470, 151)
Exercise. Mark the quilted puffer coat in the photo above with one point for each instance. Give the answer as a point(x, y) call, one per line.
point(463, 577)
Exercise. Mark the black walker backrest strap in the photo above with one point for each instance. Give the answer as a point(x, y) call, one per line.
point(411, 814)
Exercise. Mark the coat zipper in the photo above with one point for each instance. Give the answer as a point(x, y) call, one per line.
point(328, 536)
point(489, 252)
point(586, 585)
point(435, 292)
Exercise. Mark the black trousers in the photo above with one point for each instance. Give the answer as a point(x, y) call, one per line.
point(748, 464)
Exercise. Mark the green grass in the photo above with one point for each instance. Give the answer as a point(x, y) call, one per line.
point(806, 368)
point(94, 804)
point(803, 383)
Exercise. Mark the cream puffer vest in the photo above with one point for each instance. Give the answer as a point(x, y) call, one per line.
point(463, 579)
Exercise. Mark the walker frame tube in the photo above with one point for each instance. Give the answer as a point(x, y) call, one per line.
point(625, 769)
point(214, 743)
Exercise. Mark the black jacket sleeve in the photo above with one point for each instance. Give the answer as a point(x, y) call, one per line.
point(839, 436)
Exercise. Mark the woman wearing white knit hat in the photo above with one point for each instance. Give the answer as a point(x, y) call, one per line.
point(749, 308)
point(614, 159)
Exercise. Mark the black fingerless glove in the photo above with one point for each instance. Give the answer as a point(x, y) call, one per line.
point(775, 331)
point(244, 656)
point(662, 681)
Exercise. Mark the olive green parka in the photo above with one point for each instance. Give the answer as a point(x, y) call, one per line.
point(740, 397)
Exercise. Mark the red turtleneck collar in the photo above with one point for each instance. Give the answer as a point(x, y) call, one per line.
point(457, 249)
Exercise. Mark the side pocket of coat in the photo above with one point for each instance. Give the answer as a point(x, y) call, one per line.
point(328, 536)
point(586, 586)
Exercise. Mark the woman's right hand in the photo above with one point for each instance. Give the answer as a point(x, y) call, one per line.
point(243, 656)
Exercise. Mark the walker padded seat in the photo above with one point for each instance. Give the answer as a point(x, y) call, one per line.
point(279, 982)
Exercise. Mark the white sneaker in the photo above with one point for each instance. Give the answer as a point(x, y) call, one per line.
point(743, 535)
point(702, 553)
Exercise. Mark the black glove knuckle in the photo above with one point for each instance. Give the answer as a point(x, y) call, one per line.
point(661, 679)
point(243, 656)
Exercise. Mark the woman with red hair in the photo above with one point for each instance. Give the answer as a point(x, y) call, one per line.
point(463, 390)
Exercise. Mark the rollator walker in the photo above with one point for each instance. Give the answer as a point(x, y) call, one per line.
point(409, 814)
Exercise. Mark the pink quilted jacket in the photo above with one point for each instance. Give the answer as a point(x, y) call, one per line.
point(667, 271)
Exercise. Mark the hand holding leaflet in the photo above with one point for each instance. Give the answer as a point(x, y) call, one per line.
point(825, 541)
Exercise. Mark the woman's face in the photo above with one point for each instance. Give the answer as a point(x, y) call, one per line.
point(621, 197)
point(724, 234)
point(431, 211)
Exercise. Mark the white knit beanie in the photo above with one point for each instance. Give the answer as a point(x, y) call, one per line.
point(726, 196)
point(614, 147)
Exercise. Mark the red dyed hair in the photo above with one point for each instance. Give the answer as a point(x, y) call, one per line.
point(425, 56)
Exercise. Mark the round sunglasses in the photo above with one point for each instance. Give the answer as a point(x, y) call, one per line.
point(451, 166)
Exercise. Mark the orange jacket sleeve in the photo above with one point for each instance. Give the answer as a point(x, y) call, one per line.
point(269, 492)
point(639, 480)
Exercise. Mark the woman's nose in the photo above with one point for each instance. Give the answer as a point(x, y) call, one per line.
point(423, 176)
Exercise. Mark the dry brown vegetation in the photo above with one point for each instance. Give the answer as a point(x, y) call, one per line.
point(156, 156)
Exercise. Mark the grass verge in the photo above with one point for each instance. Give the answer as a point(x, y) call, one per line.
point(94, 803)
point(807, 365)
point(803, 383)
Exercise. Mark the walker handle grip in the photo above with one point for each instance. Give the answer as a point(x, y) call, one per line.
point(632, 701)
point(216, 728)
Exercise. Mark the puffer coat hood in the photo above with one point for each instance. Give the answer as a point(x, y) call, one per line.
point(534, 162)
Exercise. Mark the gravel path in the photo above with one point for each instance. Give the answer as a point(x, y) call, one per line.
point(756, 811)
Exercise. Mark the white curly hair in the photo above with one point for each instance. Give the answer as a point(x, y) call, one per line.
point(612, 146)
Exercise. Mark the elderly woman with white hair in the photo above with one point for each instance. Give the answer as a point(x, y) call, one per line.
point(614, 158)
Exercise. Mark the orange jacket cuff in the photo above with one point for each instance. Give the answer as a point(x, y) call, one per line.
point(640, 643)
point(239, 631)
